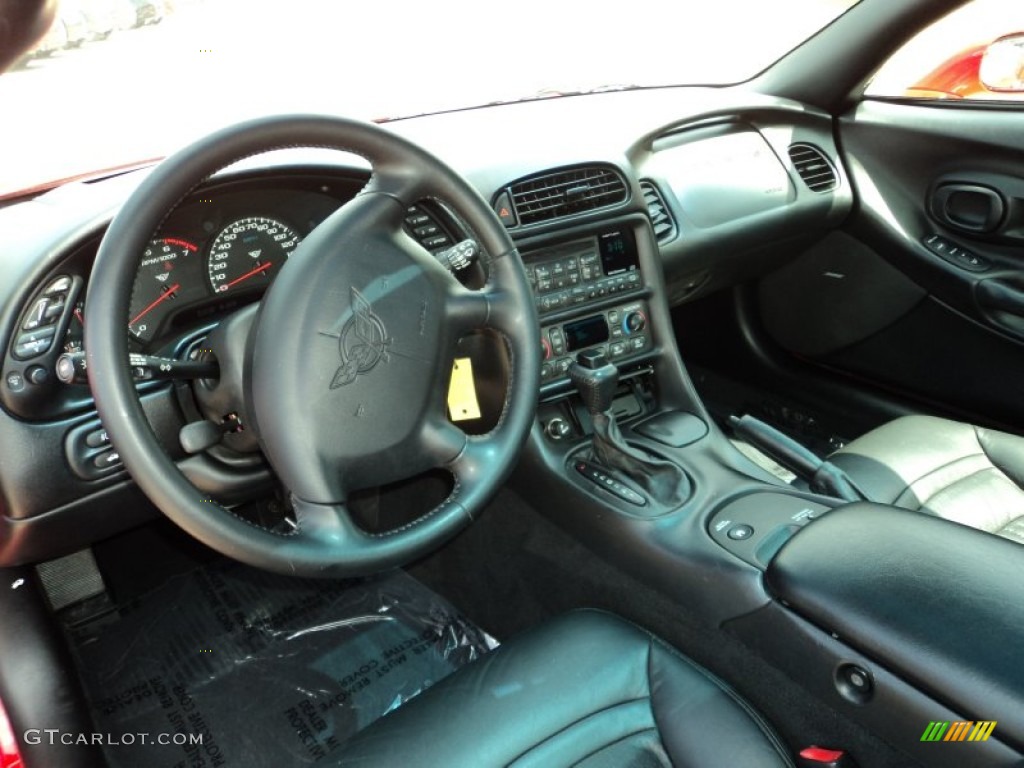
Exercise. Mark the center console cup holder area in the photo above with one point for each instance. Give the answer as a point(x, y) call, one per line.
point(754, 527)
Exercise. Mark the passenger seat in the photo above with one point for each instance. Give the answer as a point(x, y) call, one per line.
point(953, 470)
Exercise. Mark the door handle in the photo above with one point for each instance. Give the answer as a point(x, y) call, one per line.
point(968, 207)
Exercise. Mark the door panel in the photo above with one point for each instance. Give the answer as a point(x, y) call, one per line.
point(940, 192)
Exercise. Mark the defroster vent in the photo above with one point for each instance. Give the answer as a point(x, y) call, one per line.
point(813, 167)
point(566, 192)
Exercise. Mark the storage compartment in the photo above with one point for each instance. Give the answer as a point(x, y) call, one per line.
point(934, 603)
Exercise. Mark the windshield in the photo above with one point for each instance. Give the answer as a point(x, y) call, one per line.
point(117, 82)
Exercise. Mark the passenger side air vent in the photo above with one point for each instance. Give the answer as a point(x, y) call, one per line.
point(813, 167)
point(661, 219)
point(566, 192)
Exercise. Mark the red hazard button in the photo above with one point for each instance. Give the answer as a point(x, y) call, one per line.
point(503, 207)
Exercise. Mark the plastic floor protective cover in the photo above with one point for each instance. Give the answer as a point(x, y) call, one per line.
point(266, 670)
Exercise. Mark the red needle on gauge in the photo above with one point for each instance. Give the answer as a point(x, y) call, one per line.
point(163, 296)
point(247, 275)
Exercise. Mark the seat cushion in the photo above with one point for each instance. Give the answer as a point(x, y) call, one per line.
point(585, 689)
point(962, 473)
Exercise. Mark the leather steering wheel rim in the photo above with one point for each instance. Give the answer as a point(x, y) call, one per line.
point(363, 233)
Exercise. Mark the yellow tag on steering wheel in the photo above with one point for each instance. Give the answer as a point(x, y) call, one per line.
point(462, 402)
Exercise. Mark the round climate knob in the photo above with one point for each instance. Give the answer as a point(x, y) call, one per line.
point(634, 322)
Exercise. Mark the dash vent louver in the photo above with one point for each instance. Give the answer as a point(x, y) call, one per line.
point(814, 168)
point(661, 219)
point(566, 192)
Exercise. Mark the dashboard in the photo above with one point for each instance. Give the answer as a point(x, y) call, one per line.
point(686, 192)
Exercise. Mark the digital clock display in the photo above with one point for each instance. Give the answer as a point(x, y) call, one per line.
point(618, 252)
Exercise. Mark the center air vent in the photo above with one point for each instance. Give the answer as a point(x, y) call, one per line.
point(661, 219)
point(566, 192)
point(813, 167)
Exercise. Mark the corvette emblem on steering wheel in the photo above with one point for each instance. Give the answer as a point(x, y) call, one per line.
point(362, 343)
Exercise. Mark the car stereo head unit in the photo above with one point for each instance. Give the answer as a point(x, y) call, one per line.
point(568, 275)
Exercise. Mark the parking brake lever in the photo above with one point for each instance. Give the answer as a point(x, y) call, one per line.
point(823, 476)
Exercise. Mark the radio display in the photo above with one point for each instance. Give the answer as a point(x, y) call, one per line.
point(618, 252)
point(586, 332)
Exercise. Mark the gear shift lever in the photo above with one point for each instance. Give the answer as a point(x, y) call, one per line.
point(596, 380)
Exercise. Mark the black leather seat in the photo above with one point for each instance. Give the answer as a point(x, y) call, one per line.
point(953, 470)
point(586, 689)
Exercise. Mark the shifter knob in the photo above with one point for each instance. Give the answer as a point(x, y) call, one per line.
point(595, 379)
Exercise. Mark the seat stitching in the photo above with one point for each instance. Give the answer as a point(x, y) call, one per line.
point(617, 741)
point(576, 722)
point(908, 487)
point(992, 461)
point(943, 489)
point(759, 721)
point(726, 689)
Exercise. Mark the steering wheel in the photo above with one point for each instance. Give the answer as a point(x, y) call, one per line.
point(342, 371)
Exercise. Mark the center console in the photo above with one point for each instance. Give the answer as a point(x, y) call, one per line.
point(847, 599)
point(589, 294)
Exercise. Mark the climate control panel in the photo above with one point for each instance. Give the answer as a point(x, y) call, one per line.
point(621, 332)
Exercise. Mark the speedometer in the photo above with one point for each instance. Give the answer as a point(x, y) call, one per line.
point(247, 253)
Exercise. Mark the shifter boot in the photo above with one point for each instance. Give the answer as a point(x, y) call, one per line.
point(661, 481)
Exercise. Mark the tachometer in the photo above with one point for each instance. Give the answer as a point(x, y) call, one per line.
point(159, 281)
point(248, 252)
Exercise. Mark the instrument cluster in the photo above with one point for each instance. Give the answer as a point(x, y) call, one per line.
point(219, 251)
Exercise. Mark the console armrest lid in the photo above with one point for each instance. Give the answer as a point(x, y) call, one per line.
point(938, 603)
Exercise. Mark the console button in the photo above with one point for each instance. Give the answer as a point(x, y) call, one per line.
point(106, 460)
point(562, 366)
point(617, 349)
point(37, 316)
point(54, 310)
point(638, 342)
point(599, 477)
point(36, 374)
point(59, 285)
point(437, 241)
point(31, 349)
point(543, 272)
point(97, 438)
point(15, 381)
point(740, 532)
point(546, 371)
